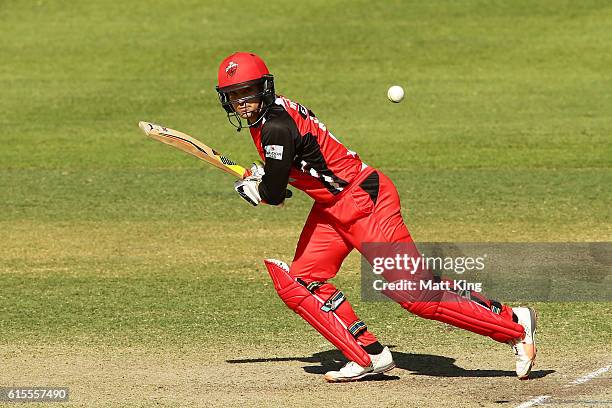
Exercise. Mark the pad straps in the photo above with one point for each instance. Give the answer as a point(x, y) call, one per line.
point(332, 303)
point(357, 328)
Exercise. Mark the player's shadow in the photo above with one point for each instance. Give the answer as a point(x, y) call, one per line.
point(417, 364)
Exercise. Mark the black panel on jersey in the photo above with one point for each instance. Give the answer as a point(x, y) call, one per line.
point(371, 186)
point(303, 152)
point(311, 159)
point(279, 130)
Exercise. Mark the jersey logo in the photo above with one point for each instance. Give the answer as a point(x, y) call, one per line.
point(274, 152)
point(231, 68)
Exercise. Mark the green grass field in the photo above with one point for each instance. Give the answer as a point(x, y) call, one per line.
point(126, 263)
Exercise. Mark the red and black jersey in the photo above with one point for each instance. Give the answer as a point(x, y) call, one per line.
point(299, 150)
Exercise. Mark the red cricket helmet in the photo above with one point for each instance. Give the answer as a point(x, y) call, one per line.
point(241, 67)
point(242, 70)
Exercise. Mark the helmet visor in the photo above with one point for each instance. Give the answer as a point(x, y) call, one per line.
point(244, 92)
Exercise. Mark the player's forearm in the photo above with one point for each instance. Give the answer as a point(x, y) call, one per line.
point(273, 186)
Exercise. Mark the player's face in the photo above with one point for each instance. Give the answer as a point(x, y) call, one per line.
point(246, 102)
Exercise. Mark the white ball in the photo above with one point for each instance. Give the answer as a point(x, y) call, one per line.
point(395, 94)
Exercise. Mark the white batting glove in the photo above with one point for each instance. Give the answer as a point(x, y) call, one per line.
point(257, 170)
point(249, 187)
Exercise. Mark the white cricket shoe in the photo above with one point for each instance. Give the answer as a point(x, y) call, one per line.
point(525, 348)
point(352, 371)
point(383, 362)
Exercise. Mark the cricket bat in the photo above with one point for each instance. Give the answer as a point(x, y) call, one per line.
point(193, 146)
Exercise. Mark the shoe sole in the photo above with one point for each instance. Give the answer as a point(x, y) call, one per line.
point(357, 378)
point(362, 376)
point(384, 369)
point(534, 318)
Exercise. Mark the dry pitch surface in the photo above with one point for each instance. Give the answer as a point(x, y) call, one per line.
point(426, 377)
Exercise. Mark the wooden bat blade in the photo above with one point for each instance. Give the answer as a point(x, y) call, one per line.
point(193, 146)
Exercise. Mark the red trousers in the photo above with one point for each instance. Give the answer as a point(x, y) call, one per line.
point(368, 211)
point(332, 231)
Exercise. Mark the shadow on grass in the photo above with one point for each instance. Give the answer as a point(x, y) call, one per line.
point(418, 364)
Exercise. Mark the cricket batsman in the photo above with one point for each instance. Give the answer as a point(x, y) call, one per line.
point(354, 204)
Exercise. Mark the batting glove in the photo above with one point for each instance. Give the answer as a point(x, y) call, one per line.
point(248, 189)
point(257, 170)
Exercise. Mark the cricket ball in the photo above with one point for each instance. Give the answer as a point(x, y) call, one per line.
point(395, 94)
